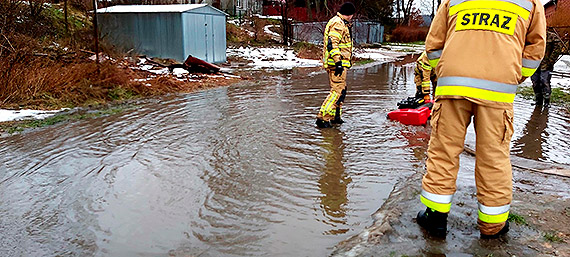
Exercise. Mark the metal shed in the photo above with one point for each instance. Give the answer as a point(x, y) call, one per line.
point(167, 31)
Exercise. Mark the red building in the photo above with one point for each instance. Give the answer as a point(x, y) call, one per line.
point(297, 9)
point(552, 6)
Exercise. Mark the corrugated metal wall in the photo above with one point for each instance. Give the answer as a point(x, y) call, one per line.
point(200, 32)
point(205, 36)
point(152, 34)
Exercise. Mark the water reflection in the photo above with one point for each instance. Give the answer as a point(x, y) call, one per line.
point(418, 138)
point(334, 181)
point(236, 171)
point(534, 134)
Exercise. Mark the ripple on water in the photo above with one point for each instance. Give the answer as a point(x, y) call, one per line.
point(237, 171)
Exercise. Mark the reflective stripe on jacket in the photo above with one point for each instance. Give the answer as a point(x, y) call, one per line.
point(337, 42)
point(482, 49)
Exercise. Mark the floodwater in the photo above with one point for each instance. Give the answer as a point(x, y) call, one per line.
point(234, 171)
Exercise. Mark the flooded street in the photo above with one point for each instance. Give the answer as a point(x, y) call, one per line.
point(234, 171)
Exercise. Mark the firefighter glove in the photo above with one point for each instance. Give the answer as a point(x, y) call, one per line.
point(338, 68)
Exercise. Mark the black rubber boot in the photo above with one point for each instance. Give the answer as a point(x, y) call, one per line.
point(323, 124)
point(538, 99)
point(337, 120)
point(434, 222)
point(547, 102)
point(503, 231)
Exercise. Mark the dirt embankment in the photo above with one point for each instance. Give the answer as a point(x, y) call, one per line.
point(540, 218)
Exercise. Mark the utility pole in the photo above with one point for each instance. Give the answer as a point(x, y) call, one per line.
point(96, 31)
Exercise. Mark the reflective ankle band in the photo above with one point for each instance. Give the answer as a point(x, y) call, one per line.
point(494, 214)
point(440, 203)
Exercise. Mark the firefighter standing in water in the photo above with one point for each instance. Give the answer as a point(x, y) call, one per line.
point(481, 50)
point(541, 78)
point(423, 75)
point(337, 55)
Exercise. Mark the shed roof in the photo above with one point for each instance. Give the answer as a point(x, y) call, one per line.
point(154, 8)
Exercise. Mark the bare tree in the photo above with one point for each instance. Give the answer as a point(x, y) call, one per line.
point(404, 10)
point(309, 11)
point(378, 10)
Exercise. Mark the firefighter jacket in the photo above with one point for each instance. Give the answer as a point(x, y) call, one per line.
point(337, 42)
point(554, 48)
point(483, 49)
point(423, 67)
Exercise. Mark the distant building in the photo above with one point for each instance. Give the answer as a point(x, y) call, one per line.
point(232, 7)
point(167, 31)
point(297, 10)
point(551, 6)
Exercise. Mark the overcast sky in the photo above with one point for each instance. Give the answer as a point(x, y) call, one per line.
point(425, 8)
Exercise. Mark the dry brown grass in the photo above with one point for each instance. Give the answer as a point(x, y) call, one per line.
point(236, 34)
point(43, 67)
point(407, 34)
point(53, 85)
point(308, 51)
point(250, 33)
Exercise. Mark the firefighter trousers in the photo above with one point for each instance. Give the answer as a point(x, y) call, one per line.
point(541, 83)
point(423, 88)
point(335, 99)
point(493, 172)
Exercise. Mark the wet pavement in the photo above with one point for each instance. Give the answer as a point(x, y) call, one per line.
point(233, 171)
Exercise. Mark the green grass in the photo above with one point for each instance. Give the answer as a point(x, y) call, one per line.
point(120, 93)
point(557, 96)
point(363, 61)
point(518, 219)
point(40, 123)
point(58, 18)
point(551, 237)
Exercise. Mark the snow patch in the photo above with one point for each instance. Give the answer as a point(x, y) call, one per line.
point(272, 58)
point(9, 115)
point(372, 53)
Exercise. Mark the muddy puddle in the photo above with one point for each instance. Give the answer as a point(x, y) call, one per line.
point(234, 171)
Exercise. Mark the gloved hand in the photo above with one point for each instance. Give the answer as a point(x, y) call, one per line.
point(338, 68)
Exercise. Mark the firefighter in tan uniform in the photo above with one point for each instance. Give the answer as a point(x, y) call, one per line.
point(337, 55)
point(481, 51)
point(423, 75)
